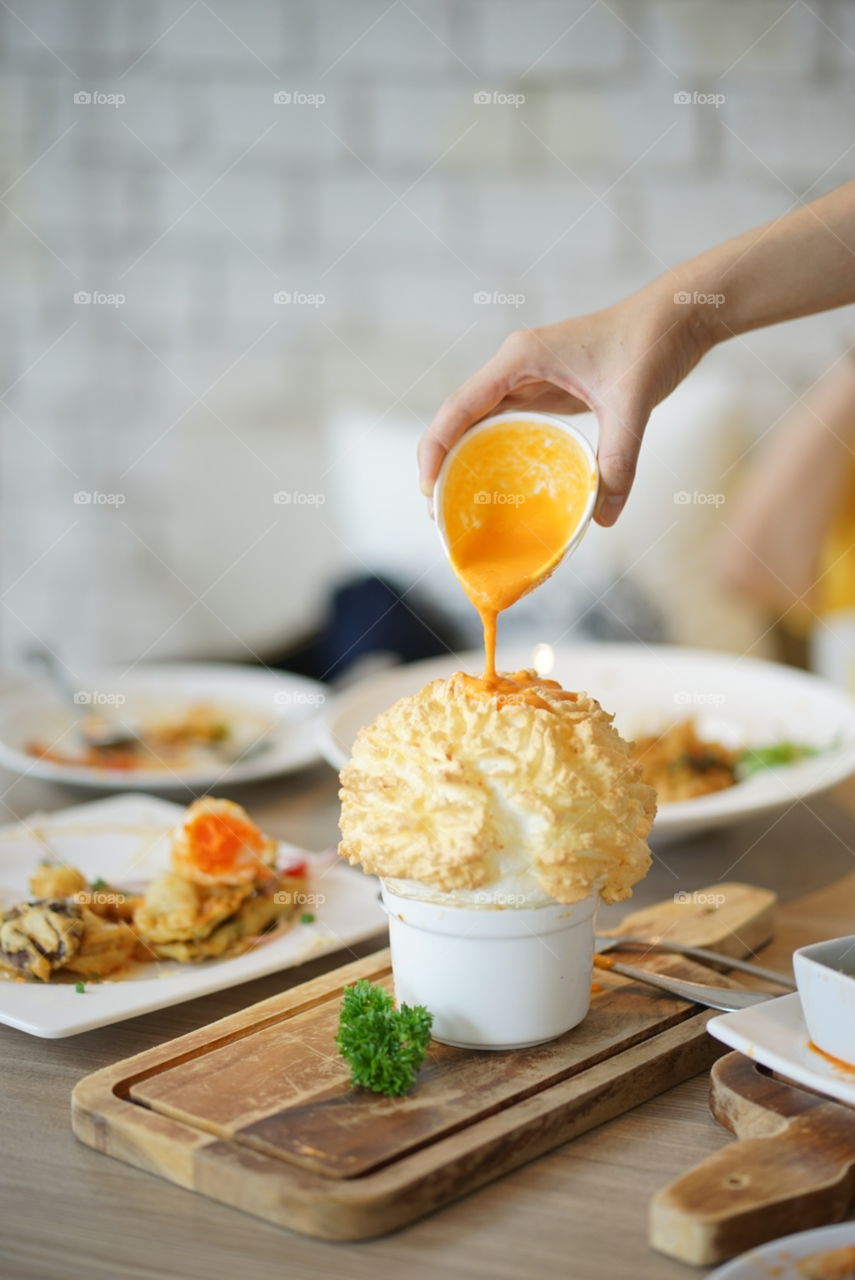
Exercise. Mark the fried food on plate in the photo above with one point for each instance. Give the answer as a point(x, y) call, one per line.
point(259, 911)
point(217, 843)
point(222, 892)
point(55, 880)
point(178, 910)
point(106, 946)
point(681, 765)
point(38, 938)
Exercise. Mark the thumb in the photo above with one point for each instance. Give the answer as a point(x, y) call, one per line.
point(619, 444)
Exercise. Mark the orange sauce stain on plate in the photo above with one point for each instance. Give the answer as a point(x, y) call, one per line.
point(513, 497)
point(839, 1063)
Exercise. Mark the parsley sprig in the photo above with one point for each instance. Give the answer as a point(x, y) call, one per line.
point(383, 1046)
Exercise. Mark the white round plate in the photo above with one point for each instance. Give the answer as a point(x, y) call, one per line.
point(740, 701)
point(260, 702)
point(781, 1258)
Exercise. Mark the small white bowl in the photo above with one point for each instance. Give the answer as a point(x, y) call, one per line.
point(522, 416)
point(493, 977)
point(825, 976)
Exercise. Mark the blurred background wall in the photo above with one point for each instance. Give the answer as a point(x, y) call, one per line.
point(249, 247)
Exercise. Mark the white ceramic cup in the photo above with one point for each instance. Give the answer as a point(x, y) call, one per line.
point(533, 418)
point(493, 977)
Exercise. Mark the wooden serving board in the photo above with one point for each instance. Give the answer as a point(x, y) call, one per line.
point(793, 1168)
point(256, 1110)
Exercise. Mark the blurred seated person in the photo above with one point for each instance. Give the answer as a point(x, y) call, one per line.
point(789, 544)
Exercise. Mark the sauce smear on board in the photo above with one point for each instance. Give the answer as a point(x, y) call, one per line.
point(513, 497)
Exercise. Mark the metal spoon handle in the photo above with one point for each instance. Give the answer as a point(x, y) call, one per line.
point(57, 673)
point(724, 998)
point(715, 957)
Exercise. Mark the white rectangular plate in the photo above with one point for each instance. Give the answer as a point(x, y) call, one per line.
point(124, 840)
point(775, 1035)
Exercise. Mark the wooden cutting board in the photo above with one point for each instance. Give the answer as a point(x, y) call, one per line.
point(793, 1168)
point(256, 1110)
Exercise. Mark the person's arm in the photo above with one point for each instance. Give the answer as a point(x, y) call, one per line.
point(622, 361)
point(771, 544)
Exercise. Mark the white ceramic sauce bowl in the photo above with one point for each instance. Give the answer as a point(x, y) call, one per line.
point(522, 416)
point(825, 976)
point(493, 978)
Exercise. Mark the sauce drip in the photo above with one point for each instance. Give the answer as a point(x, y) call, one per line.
point(522, 688)
point(513, 498)
point(840, 1063)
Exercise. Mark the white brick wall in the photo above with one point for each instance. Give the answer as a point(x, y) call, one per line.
point(504, 200)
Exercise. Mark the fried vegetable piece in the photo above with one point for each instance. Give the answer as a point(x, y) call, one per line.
point(37, 938)
point(55, 880)
point(274, 901)
point(106, 945)
point(178, 910)
point(257, 914)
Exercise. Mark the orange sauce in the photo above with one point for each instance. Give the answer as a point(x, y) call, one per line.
point(839, 1063)
point(513, 497)
point(521, 687)
point(218, 838)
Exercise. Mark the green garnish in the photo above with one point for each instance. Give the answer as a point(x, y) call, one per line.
point(80, 987)
point(307, 918)
point(99, 884)
point(753, 759)
point(383, 1046)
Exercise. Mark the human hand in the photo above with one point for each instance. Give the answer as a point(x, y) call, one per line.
point(619, 363)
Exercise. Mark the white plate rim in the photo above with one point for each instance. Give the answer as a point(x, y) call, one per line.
point(304, 751)
point(738, 1030)
point(799, 1246)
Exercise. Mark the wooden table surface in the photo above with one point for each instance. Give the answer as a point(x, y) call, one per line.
point(67, 1212)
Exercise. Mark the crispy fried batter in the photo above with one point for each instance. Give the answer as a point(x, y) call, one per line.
point(178, 910)
point(441, 783)
point(37, 938)
point(54, 880)
point(106, 945)
point(258, 913)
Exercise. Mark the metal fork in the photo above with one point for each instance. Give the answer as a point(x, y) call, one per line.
point(728, 999)
point(607, 943)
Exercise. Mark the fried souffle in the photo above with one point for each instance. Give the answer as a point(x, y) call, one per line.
point(503, 792)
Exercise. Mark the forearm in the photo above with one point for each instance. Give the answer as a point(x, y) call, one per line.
point(621, 362)
point(800, 264)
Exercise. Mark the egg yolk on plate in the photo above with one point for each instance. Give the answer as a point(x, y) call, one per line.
point(219, 841)
point(513, 496)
